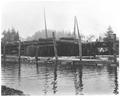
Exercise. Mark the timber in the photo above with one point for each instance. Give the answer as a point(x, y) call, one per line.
point(55, 47)
point(114, 47)
point(4, 52)
point(79, 42)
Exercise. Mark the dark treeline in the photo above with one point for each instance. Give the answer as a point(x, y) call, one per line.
point(10, 35)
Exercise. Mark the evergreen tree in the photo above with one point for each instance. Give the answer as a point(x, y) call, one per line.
point(10, 35)
point(109, 35)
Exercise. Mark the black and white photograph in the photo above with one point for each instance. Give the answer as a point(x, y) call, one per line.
point(59, 47)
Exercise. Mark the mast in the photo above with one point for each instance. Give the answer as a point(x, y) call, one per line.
point(79, 41)
point(45, 25)
point(74, 35)
point(74, 28)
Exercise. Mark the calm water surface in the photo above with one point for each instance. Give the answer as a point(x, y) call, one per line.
point(49, 79)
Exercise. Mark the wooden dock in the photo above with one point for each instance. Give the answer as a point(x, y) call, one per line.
point(61, 60)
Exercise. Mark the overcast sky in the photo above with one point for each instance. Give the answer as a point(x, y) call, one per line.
point(94, 16)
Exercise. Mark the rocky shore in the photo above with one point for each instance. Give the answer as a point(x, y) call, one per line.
point(10, 91)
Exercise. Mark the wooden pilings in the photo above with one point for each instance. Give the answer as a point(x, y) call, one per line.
point(4, 53)
point(36, 56)
point(19, 51)
point(114, 48)
point(55, 47)
point(19, 57)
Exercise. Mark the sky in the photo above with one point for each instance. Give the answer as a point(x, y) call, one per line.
point(94, 16)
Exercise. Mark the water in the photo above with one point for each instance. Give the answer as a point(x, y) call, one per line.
point(49, 79)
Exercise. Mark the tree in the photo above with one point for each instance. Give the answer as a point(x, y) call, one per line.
point(109, 35)
point(10, 35)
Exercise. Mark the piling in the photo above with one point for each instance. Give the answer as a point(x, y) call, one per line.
point(4, 53)
point(36, 56)
point(19, 55)
point(55, 46)
point(19, 50)
point(114, 48)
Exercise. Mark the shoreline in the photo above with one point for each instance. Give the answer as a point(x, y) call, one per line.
point(10, 91)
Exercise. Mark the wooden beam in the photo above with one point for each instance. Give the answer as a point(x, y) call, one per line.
point(55, 47)
point(19, 54)
point(74, 34)
point(79, 42)
point(19, 58)
point(4, 53)
point(36, 56)
point(45, 25)
point(114, 48)
point(74, 28)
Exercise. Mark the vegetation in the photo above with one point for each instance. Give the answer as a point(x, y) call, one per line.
point(41, 34)
point(109, 35)
point(10, 35)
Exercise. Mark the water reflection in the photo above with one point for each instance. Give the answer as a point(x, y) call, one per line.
point(113, 72)
point(19, 72)
point(116, 82)
point(46, 80)
point(55, 78)
point(78, 79)
point(37, 68)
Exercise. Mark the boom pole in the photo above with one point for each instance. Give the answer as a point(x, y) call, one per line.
point(79, 41)
point(46, 35)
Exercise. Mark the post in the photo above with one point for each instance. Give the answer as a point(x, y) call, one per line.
point(55, 48)
point(36, 57)
point(79, 42)
point(80, 48)
point(114, 48)
point(19, 54)
point(4, 53)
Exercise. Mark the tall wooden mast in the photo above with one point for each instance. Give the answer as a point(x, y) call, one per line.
point(74, 28)
point(46, 35)
point(79, 41)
